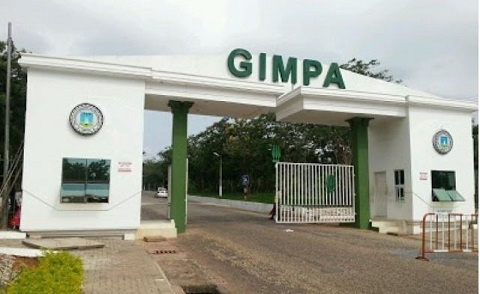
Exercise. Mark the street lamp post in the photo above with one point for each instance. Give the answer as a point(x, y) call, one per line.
point(220, 175)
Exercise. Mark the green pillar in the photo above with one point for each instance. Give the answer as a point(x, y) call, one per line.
point(359, 129)
point(178, 189)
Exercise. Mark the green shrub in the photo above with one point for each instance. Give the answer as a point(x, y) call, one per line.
point(56, 273)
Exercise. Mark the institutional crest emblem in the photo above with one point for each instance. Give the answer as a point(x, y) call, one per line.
point(86, 119)
point(442, 142)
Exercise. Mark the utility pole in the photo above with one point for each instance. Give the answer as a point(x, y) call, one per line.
point(7, 106)
point(6, 157)
point(219, 174)
point(220, 188)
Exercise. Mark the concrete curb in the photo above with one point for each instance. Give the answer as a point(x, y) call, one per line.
point(164, 284)
point(237, 204)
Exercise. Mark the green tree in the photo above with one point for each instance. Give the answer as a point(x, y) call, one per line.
point(153, 174)
point(155, 170)
point(369, 69)
point(245, 146)
point(17, 99)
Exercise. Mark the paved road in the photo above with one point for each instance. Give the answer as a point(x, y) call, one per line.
point(244, 252)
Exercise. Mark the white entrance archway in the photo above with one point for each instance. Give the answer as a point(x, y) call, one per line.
point(393, 127)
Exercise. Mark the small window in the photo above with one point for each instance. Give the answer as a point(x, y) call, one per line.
point(399, 185)
point(444, 187)
point(85, 180)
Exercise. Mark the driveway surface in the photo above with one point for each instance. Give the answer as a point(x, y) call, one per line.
point(245, 252)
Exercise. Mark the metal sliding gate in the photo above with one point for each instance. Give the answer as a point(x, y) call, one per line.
point(314, 193)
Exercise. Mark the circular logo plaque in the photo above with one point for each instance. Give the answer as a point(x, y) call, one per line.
point(442, 142)
point(86, 119)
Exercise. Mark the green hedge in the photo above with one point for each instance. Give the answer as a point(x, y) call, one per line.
point(56, 273)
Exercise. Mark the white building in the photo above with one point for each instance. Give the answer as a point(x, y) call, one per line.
point(85, 119)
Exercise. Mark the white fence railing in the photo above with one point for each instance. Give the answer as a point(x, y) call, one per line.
point(449, 232)
point(314, 193)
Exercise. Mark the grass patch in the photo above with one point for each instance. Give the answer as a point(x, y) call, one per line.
point(256, 197)
point(59, 273)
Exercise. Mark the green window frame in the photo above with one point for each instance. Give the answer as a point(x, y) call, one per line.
point(444, 186)
point(85, 180)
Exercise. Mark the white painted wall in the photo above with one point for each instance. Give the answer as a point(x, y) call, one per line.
point(49, 137)
point(395, 143)
point(424, 122)
point(388, 151)
point(216, 66)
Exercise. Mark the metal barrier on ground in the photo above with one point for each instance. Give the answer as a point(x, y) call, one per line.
point(449, 232)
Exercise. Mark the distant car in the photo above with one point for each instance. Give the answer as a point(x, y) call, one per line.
point(162, 193)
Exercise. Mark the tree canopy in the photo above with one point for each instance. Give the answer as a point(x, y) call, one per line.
point(17, 99)
point(369, 69)
point(246, 149)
